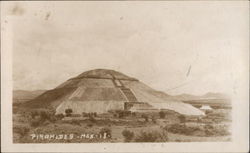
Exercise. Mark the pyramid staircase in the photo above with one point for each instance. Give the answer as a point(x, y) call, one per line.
point(129, 94)
point(126, 91)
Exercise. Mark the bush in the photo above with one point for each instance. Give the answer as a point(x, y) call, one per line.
point(84, 114)
point(154, 120)
point(122, 113)
point(208, 126)
point(162, 114)
point(92, 119)
point(208, 130)
point(182, 118)
point(145, 117)
point(21, 130)
point(152, 136)
point(59, 116)
point(215, 131)
point(76, 122)
point(68, 111)
point(90, 125)
point(107, 131)
point(38, 117)
point(183, 129)
point(46, 122)
point(33, 114)
point(128, 135)
point(222, 132)
point(75, 115)
point(35, 122)
point(115, 115)
point(44, 115)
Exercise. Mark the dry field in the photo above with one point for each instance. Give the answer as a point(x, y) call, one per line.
point(44, 127)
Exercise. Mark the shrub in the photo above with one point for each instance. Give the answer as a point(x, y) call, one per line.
point(128, 135)
point(208, 126)
point(145, 117)
point(177, 140)
point(90, 125)
point(84, 114)
point(162, 114)
point(154, 120)
point(92, 119)
point(35, 122)
point(75, 115)
point(209, 130)
point(59, 116)
point(152, 136)
point(111, 111)
point(15, 109)
point(182, 118)
point(76, 122)
point(46, 122)
point(33, 114)
point(107, 131)
point(123, 113)
point(68, 111)
point(22, 130)
point(222, 132)
point(38, 117)
point(183, 129)
point(215, 131)
point(44, 115)
point(120, 114)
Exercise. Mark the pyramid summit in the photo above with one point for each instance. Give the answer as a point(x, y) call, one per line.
point(103, 90)
point(105, 74)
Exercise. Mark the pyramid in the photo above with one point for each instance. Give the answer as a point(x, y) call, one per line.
point(103, 90)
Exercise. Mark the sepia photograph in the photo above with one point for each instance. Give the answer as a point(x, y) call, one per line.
point(109, 73)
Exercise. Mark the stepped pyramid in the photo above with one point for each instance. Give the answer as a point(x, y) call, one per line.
point(101, 90)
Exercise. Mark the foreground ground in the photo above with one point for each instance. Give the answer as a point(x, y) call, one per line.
point(44, 127)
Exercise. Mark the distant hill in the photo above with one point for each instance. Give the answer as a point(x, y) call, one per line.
point(215, 100)
point(211, 95)
point(24, 95)
point(207, 96)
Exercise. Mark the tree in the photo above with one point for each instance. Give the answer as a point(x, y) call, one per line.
point(154, 120)
point(45, 115)
point(182, 119)
point(59, 116)
point(92, 118)
point(105, 132)
point(84, 114)
point(162, 114)
point(128, 135)
point(145, 117)
point(68, 111)
point(34, 114)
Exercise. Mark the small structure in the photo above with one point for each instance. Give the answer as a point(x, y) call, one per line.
point(205, 107)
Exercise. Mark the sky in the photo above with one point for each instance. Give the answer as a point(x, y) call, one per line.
point(175, 47)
